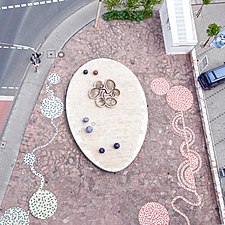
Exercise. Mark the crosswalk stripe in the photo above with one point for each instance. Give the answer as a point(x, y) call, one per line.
point(6, 98)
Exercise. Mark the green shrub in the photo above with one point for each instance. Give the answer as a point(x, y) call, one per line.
point(134, 10)
point(123, 15)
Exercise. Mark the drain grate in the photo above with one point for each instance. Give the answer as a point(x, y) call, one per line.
point(3, 144)
point(51, 54)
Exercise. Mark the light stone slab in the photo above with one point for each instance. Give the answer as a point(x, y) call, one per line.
point(125, 123)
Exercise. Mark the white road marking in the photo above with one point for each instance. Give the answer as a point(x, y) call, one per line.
point(6, 98)
point(10, 88)
point(30, 4)
point(15, 46)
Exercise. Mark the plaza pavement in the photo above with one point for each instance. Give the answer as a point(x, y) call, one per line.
point(88, 195)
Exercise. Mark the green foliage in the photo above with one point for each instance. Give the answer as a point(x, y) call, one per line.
point(134, 10)
point(112, 4)
point(150, 3)
point(213, 29)
point(131, 5)
point(206, 2)
point(123, 15)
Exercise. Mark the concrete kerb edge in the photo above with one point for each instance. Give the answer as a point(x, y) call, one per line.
point(25, 80)
point(209, 140)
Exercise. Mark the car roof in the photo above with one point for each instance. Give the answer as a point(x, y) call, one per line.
point(217, 73)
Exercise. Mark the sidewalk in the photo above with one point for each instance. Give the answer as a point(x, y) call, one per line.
point(87, 195)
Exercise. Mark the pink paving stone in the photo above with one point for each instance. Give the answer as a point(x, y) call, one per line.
point(160, 86)
point(179, 98)
point(153, 213)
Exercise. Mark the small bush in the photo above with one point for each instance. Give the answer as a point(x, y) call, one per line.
point(124, 15)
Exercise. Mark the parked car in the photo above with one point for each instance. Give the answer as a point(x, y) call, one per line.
point(212, 77)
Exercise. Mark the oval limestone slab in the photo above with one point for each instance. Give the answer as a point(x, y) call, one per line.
point(119, 116)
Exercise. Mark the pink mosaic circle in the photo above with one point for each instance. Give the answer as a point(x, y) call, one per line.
point(160, 86)
point(153, 213)
point(179, 98)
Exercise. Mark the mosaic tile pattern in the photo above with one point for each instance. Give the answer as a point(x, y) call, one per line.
point(15, 216)
point(54, 78)
point(153, 213)
point(187, 169)
point(43, 204)
point(160, 86)
point(51, 107)
point(180, 99)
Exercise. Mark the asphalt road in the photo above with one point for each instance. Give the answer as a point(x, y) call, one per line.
point(27, 25)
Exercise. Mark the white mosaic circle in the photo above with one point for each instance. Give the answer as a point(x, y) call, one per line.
point(15, 216)
point(54, 78)
point(29, 159)
point(43, 204)
point(51, 107)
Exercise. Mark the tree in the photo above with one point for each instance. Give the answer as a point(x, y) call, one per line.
point(112, 4)
point(204, 2)
point(212, 30)
point(148, 6)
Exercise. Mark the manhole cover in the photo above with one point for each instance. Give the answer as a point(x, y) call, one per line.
point(61, 54)
point(3, 144)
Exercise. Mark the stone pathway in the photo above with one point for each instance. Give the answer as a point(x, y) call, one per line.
point(87, 195)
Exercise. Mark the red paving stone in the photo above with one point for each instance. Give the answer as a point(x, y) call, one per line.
point(5, 107)
point(86, 194)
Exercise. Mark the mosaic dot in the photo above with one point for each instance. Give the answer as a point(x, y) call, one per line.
point(160, 86)
point(51, 107)
point(43, 204)
point(54, 78)
point(29, 159)
point(15, 216)
point(153, 213)
point(179, 98)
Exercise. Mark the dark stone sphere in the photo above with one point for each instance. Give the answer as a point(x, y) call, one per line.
point(89, 129)
point(85, 72)
point(116, 145)
point(95, 72)
point(85, 119)
point(101, 150)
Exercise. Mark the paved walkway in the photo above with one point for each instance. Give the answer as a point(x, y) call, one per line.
point(88, 195)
